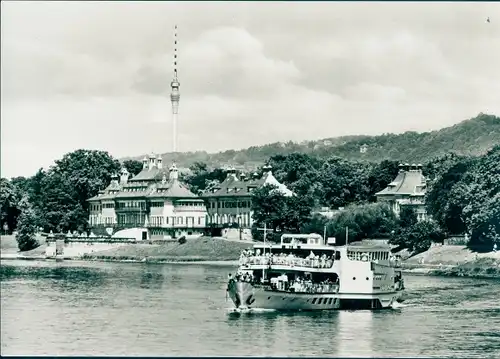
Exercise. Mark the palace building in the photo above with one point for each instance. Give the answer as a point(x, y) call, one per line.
point(229, 203)
point(154, 199)
point(407, 189)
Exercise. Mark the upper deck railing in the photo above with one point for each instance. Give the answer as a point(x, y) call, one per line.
point(286, 261)
point(301, 239)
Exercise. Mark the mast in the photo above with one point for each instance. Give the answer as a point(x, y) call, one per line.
point(264, 252)
point(346, 236)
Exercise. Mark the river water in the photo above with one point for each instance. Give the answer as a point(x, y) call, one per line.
point(79, 308)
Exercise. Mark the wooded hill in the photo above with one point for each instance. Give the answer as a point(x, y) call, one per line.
point(470, 137)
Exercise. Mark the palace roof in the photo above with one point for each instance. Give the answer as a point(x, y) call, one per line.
point(149, 174)
point(234, 187)
point(409, 181)
point(152, 182)
point(173, 189)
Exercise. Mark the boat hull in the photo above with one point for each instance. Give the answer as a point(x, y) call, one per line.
point(246, 295)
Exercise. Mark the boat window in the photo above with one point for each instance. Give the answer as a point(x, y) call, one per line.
point(330, 301)
point(320, 300)
point(337, 256)
point(314, 300)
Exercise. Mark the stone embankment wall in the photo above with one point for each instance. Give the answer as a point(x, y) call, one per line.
point(456, 241)
point(78, 248)
point(235, 234)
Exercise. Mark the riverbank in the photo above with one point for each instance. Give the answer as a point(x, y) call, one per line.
point(204, 249)
point(9, 249)
point(454, 261)
point(457, 261)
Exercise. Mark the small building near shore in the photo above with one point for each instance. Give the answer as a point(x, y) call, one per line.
point(407, 189)
point(154, 199)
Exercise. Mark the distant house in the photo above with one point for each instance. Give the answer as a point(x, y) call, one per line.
point(407, 189)
point(231, 201)
point(363, 148)
point(154, 199)
point(328, 212)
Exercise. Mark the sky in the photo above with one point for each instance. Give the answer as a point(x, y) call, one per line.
point(96, 75)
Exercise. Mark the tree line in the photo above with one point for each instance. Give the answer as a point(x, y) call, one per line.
point(462, 197)
point(469, 137)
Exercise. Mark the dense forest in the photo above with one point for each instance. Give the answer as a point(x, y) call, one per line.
point(470, 137)
point(463, 192)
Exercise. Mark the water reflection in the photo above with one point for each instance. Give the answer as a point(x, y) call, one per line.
point(143, 309)
point(151, 280)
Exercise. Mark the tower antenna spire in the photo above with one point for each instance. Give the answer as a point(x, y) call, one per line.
point(175, 95)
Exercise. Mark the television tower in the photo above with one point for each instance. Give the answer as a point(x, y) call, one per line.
point(175, 95)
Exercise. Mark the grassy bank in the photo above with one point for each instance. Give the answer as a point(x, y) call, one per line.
point(456, 261)
point(481, 268)
point(8, 245)
point(194, 250)
point(439, 260)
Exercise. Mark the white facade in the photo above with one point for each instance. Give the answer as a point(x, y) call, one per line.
point(165, 207)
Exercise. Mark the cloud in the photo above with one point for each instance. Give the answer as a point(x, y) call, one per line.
point(225, 61)
point(97, 74)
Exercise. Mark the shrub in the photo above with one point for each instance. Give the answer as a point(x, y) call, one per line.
point(418, 237)
point(26, 227)
point(182, 240)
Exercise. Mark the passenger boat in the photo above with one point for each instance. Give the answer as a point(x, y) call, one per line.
point(305, 273)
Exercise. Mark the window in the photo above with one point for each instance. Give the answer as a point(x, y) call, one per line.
point(314, 300)
point(179, 220)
